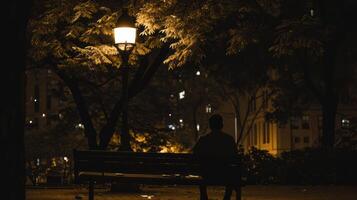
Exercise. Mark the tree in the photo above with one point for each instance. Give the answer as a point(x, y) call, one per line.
point(78, 53)
point(316, 40)
point(227, 41)
point(64, 41)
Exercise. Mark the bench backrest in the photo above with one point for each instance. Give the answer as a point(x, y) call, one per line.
point(140, 163)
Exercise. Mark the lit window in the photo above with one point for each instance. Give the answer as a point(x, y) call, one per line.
point(182, 94)
point(181, 123)
point(345, 123)
point(208, 108)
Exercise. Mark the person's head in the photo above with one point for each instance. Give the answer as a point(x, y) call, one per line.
point(216, 122)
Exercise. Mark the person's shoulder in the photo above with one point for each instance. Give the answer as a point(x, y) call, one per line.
point(228, 136)
point(203, 137)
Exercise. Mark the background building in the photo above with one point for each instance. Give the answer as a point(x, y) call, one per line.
point(42, 105)
point(299, 133)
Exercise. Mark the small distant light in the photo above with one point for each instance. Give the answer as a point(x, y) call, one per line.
point(43, 115)
point(198, 73)
point(182, 94)
point(181, 120)
point(35, 100)
point(80, 125)
point(198, 127)
point(65, 159)
point(172, 127)
point(312, 12)
point(60, 116)
point(170, 115)
point(30, 121)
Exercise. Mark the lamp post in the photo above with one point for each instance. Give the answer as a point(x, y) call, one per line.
point(124, 37)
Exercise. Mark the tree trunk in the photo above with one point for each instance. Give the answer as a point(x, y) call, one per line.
point(194, 117)
point(329, 109)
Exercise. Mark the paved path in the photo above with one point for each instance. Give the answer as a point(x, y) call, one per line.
point(216, 193)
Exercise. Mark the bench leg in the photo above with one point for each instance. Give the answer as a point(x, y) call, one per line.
point(91, 190)
point(239, 193)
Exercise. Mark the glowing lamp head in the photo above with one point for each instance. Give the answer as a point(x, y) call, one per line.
point(125, 33)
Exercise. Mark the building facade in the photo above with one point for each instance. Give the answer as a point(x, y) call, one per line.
point(42, 105)
point(297, 133)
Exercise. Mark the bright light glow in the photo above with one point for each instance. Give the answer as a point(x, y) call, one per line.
point(198, 127)
point(198, 73)
point(35, 100)
point(124, 35)
point(170, 115)
point(181, 120)
point(182, 94)
point(65, 159)
point(147, 196)
point(43, 115)
point(30, 121)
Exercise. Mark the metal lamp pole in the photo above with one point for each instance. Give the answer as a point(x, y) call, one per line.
point(125, 36)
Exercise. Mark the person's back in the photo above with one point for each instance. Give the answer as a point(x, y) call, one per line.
point(216, 144)
point(215, 151)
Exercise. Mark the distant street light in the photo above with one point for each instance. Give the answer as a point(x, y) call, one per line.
point(124, 38)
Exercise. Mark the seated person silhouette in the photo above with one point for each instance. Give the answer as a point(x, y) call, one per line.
point(214, 150)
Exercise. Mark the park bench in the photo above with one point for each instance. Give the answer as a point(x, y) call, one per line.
point(91, 167)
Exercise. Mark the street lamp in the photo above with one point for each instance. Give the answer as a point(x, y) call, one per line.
point(124, 38)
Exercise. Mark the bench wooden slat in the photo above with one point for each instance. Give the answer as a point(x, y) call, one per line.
point(150, 168)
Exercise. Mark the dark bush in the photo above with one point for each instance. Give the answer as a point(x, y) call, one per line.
point(308, 166)
point(260, 167)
